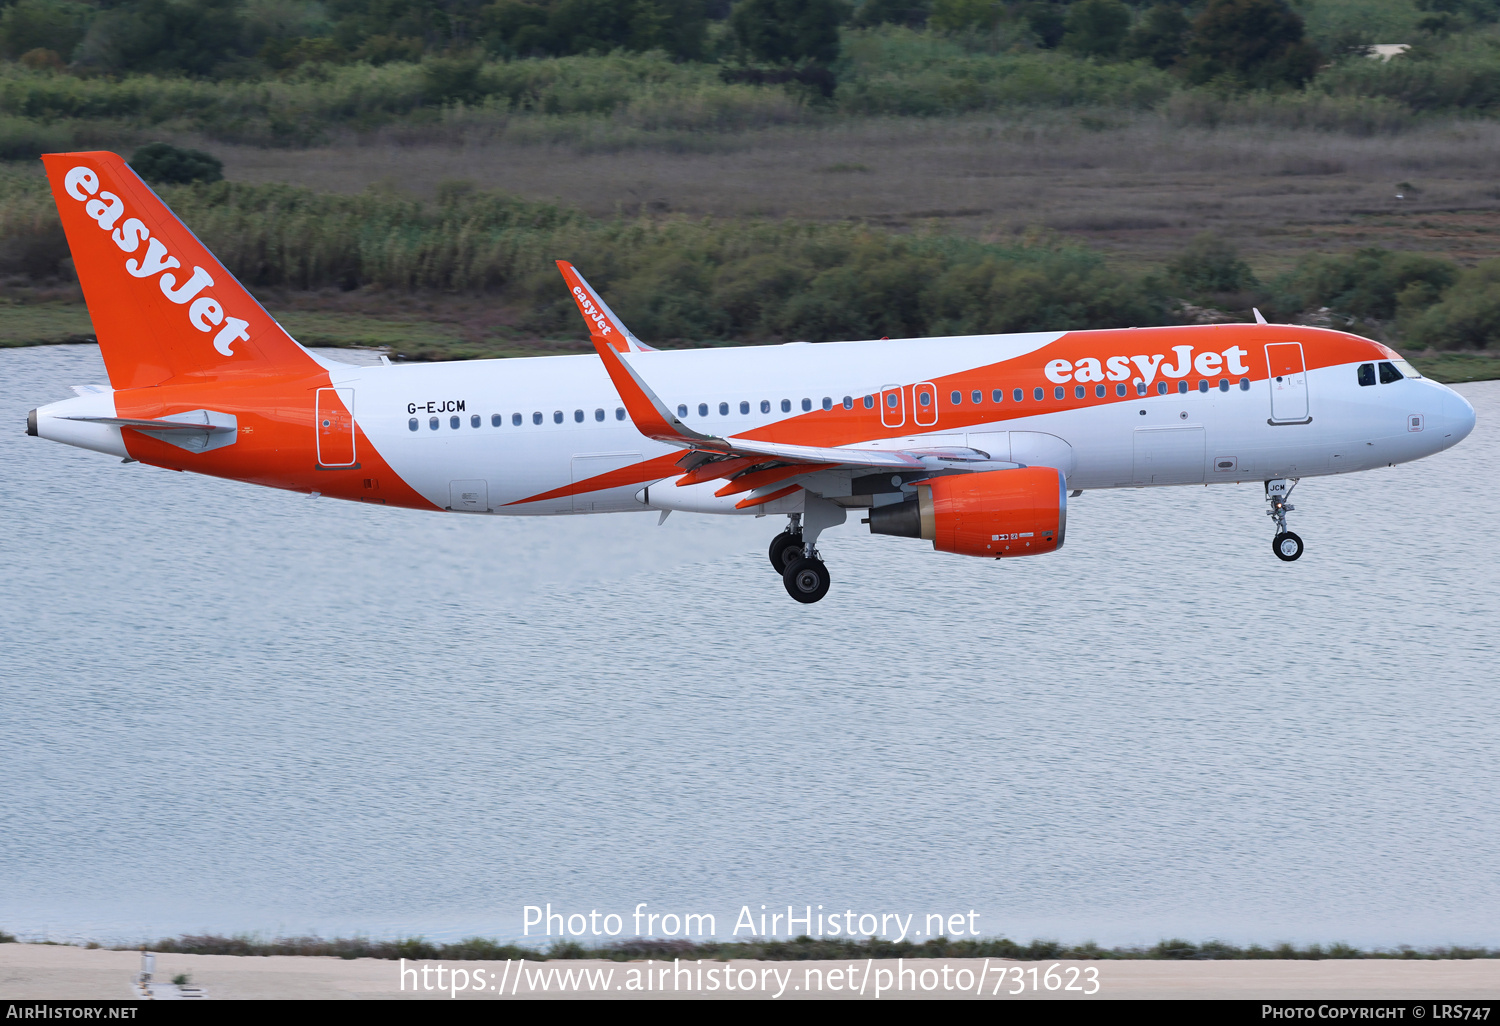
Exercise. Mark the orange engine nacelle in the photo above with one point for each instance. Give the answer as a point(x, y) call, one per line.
point(995, 513)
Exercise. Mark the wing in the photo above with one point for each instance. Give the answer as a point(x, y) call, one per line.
point(750, 464)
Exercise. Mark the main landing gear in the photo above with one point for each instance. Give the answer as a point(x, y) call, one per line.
point(1286, 545)
point(794, 555)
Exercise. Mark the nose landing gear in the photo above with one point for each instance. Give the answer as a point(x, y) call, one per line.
point(1286, 545)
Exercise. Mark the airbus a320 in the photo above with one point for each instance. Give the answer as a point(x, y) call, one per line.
point(972, 443)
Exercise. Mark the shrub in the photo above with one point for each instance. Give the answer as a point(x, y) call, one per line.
point(1210, 264)
point(1095, 28)
point(958, 15)
point(164, 164)
point(29, 26)
point(789, 31)
point(1468, 317)
point(1160, 37)
point(1372, 282)
point(1257, 42)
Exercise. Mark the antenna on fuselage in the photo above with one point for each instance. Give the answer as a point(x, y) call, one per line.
point(1259, 317)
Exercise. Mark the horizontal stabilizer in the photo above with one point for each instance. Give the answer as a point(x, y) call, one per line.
point(194, 430)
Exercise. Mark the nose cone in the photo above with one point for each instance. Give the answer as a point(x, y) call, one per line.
point(1460, 417)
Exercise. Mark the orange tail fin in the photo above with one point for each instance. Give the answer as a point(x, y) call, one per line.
point(162, 304)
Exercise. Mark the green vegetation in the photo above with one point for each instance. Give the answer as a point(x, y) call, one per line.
point(800, 949)
point(671, 279)
point(165, 164)
point(683, 281)
point(85, 73)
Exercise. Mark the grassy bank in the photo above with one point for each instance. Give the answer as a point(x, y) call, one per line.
point(650, 98)
point(471, 272)
point(802, 948)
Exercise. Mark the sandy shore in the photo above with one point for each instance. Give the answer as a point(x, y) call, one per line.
point(36, 971)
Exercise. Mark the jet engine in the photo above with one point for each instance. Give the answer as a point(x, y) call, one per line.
point(994, 513)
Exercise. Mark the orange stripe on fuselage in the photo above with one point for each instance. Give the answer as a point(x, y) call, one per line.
point(838, 426)
point(637, 473)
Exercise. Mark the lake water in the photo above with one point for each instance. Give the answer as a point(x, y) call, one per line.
point(232, 709)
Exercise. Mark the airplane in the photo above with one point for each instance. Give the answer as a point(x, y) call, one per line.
point(973, 444)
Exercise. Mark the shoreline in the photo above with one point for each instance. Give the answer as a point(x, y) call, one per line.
point(1454, 367)
point(60, 972)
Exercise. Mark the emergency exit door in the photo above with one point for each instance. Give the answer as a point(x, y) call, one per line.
point(334, 427)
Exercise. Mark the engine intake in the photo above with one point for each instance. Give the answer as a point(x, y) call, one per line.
point(996, 513)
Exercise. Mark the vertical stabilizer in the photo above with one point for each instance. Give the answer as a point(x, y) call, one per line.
point(162, 304)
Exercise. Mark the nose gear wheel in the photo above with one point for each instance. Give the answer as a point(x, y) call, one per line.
point(1286, 545)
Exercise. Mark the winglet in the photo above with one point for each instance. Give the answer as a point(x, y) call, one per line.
point(650, 415)
point(601, 320)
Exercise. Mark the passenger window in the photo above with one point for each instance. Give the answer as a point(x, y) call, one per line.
point(515, 418)
point(1223, 384)
point(723, 409)
point(1038, 394)
point(1244, 384)
point(703, 409)
point(681, 410)
point(432, 423)
point(1161, 388)
point(998, 395)
point(619, 413)
point(976, 397)
point(1057, 393)
point(891, 400)
point(1388, 373)
point(599, 415)
point(786, 406)
point(1019, 395)
point(1367, 374)
point(495, 420)
point(869, 402)
point(453, 423)
point(924, 398)
point(1099, 391)
point(744, 407)
point(806, 405)
point(1182, 387)
point(1140, 388)
point(1120, 389)
point(536, 418)
point(1202, 385)
point(848, 402)
point(765, 406)
point(957, 398)
point(557, 416)
point(474, 420)
point(412, 423)
point(1079, 391)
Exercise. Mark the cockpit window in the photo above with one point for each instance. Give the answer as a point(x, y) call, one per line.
point(1406, 369)
point(1367, 374)
point(1388, 373)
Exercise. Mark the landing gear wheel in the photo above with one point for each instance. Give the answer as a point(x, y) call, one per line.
point(1287, 546)
point(785, 547)
point(806, 580)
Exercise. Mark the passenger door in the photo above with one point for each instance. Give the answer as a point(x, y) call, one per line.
point(1288, 383)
